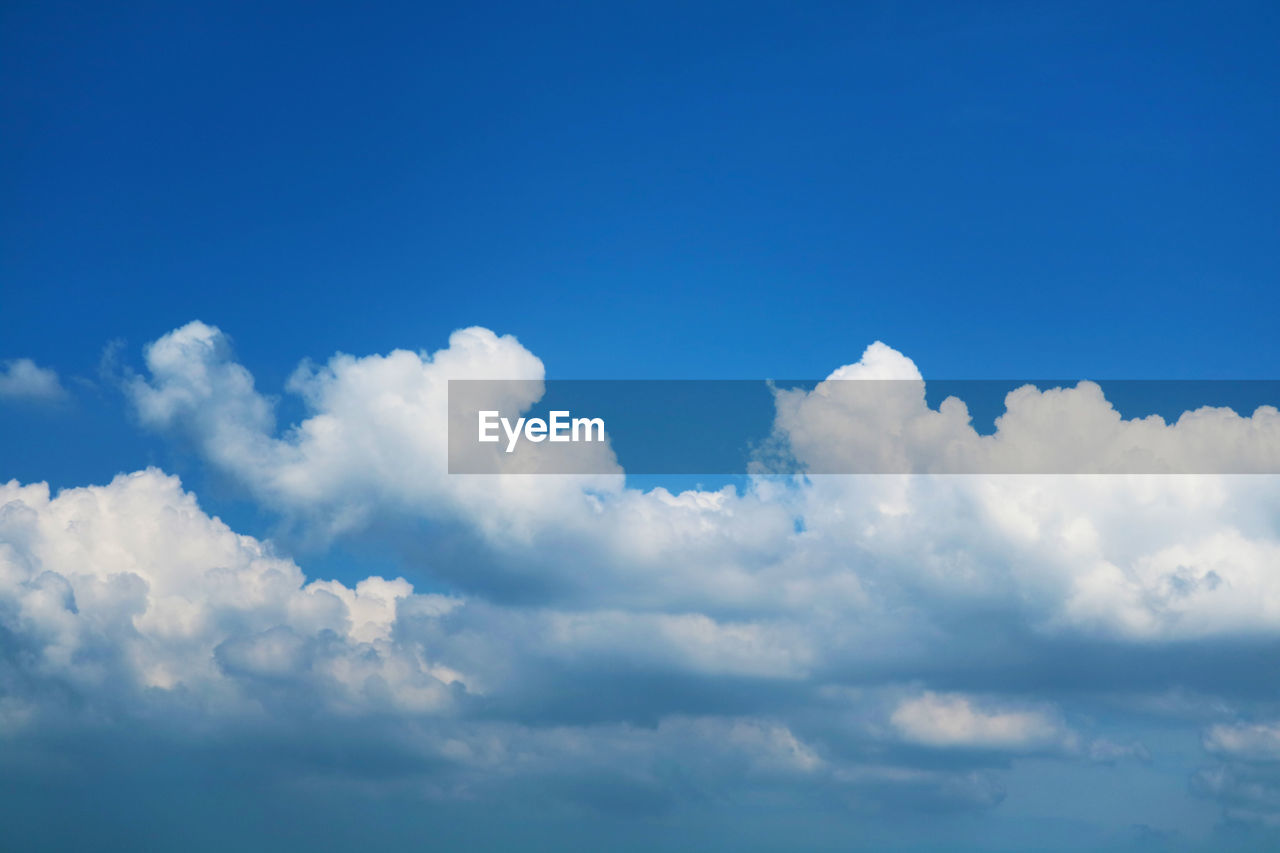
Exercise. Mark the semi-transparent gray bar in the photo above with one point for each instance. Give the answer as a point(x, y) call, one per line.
point(863, 426)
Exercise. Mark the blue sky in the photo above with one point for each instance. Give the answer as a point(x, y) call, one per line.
point(651, 190)
point(632, 191)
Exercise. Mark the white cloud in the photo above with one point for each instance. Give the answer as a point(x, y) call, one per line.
point(701, 628)
point(1152, 556)
point(376, 438)
point(957, 721)
point(883, 424)
point(1246, 741)
point(119, 589)
point(23, 379)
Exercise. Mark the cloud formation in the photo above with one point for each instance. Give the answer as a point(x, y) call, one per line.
point(128, 592)
point(23, 379)
point(955, 721)
point(872, 417)
point(889, 642)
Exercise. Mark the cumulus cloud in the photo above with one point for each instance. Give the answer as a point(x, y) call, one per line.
point(1135, 556)
point(127, 601)
point(873, 417)
point(376, 438)
point(875, 638)
point(123, 590)
point(23, 379)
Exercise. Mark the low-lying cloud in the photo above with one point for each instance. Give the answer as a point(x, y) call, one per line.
point(886, 643)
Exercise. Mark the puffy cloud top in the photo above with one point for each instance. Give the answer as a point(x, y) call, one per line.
point(885, 639)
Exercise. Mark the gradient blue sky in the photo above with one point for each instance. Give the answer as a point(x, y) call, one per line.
point(653, 191)
point(650, 190)
point(658, 190)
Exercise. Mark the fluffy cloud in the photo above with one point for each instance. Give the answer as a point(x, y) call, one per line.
point(1122, 556)
point(23, 379)
point(1136, 555)
point(885, 640)
point(128, 593)
point(127, 602)
point(377, 438)
point(881, 423)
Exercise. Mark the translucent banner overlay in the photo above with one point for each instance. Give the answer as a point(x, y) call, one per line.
point(863, 426)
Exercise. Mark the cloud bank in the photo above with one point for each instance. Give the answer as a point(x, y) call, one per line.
point(882, 644)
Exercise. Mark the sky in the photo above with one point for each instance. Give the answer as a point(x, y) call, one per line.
point(243, 602)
